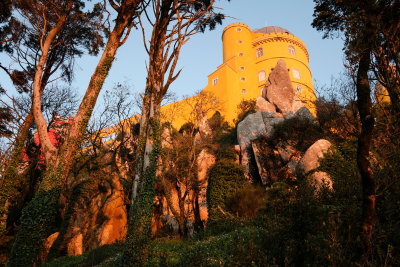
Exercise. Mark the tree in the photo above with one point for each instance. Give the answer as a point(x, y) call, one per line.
point(56, 32)
point(42, 212)
point(365, 27)
point(174, 22)
point(36, 19)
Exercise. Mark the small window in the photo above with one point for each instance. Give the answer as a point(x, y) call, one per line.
point(243, 79)
point(298, 88)
point(262, 76)
point(241, 54)
point(215, 81)
point(215, 101)
point(244, 91)
point(241, 68)
point(240, 41)
point(296, 74)
point(238, 29)
point(291, 50)
point(259, 52)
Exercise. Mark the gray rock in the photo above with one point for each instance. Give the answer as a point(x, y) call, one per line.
point(297, 104)
point(279, 91)
point(305, 113)
point(292, 165)
point(285, 151)
point(270, 120)
point(250, 129)
point(262, 171)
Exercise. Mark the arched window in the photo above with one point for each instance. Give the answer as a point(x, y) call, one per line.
point(244, 91)
point(243, 79)
point(239, 41)
point(291, 50)
point(238, 29)
point(259, 52)
point(215, 81)
point(298, 88)
point(241, 68)
point(262, 76)
point(241, 54)
point(296, 73)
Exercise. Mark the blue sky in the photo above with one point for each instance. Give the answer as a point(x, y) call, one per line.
point(203, 53)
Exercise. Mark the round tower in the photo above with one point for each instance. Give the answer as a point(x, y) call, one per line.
point(273, 43)
point(236, 39)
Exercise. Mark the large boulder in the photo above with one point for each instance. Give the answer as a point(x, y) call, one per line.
point(254, 126)
point(263, 105)
point(278, 89)
point(99, 216)
point(297, 104)
point(313, 155)
point(310, 162)
point(320, 179)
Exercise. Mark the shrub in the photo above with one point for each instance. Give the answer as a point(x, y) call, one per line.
point(224, 180)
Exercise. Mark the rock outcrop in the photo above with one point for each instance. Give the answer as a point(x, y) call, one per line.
point(310, 162)
point(278, 90)
point(262, 154)
point(99, 217)
point(314, 153)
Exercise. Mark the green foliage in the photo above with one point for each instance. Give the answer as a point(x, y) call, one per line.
point(12, 179)
point(247, 201)
point(245, 108)
point(223, 134)
point(141, 213)
point(241, 247)
point(5, 247)
point(299, 130)
point(92, 258)
point(38, 221)
point(224, 180)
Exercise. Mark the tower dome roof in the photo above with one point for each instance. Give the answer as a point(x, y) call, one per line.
point(271, 29)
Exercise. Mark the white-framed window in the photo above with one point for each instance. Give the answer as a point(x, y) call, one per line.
point(259, 52)
point(215, 81)
point(241, 68)
point(292, 50)
point(296, 73)
point(238, 29)
point(298, 88)
point(262, 76)
point(241, 54)
point(240, 41)
point(243, 79)
point(244, 91)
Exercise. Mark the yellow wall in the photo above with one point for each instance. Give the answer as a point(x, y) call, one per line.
point(238, 76)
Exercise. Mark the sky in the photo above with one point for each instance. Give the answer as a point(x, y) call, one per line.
point(203, 52)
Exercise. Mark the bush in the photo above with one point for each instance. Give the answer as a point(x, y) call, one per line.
point(225, 178)
point(302, 131)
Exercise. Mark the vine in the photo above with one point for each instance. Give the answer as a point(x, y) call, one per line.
point(139, 228)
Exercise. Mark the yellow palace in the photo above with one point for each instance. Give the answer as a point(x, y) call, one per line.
point(248, 58)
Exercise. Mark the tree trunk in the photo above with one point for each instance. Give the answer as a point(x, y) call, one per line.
point(364, 141)
point(40, 217)
point(11, 180)
point(126, 13)
point(141, 211)
point(49, 150)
